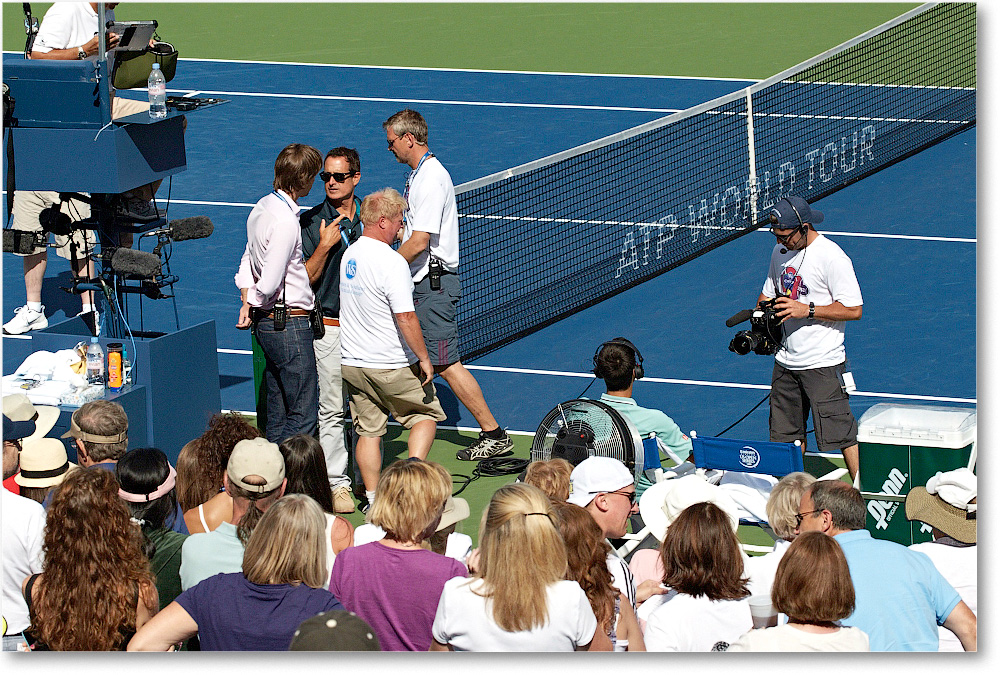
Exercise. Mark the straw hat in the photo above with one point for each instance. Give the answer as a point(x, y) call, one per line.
point(43, 463)
point(946, 504)
point(456, 510)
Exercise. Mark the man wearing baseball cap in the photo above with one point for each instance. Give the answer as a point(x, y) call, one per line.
point(816, 293)
point(18, 409)
point(606, 489)
point(14, 431)
point(255, 479)
point(948, 505)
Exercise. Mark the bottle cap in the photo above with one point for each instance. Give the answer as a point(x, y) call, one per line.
point(156, 66)
point(93, 340)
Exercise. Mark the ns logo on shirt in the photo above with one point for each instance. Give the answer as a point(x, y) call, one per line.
point(351, 269)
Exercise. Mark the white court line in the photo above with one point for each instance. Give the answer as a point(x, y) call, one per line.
point(423, 101)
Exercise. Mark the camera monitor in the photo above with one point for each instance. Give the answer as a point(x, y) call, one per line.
point(133, 36)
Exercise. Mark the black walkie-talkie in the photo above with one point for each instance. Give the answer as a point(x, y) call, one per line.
point(434, 271)
point(280, 315)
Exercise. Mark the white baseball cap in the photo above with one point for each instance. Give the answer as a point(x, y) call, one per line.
point(595, 475)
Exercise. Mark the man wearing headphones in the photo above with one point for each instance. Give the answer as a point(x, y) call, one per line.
point(619, 364)
point(817, 292)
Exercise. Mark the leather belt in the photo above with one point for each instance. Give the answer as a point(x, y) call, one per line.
point(292, 311)
point(331, 321)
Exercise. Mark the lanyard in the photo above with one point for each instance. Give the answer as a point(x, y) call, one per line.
point(409, 179)
point(343, 230)
point(278, 195)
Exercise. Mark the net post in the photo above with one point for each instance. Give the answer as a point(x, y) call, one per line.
point(752, 158)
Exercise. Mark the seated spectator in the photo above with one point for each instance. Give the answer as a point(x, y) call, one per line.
point(518, 599)
point(335, 631)
point(587, 551)
point(258, 609)
point(619, 364)
point(14, 433)
point(95, 589)
point(812, 586)
point(44, 465)
point(707, 607)
point(146, 485)
point(782, 505)
point(212, 504)
point(100, 432)
point(305, 470)
point(445, 540)
point(948, 504)
point(901, 598)
point(551, 477)
point(394, 584)
point(660, 505)
point(18, 408)
point(254, 479)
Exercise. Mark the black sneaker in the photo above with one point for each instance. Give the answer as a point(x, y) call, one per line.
point(487, 448)
point(139, 211)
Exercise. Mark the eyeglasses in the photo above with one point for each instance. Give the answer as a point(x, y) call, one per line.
point(800, 516)
point(325, 176)
point(393, 140)
point(630, 495)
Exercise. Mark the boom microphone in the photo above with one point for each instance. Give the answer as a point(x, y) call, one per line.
point(196, 227)
point(130, 262)
point(739, 317)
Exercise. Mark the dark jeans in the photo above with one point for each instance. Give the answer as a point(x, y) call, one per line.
point(290, 379)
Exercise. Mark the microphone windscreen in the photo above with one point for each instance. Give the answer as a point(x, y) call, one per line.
point(128, 261)
point(739, 317)
point(196, 227)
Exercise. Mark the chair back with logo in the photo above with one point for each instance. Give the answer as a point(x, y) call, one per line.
point(729, 454)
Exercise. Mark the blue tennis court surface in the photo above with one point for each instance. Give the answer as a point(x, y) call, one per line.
point(910, 231)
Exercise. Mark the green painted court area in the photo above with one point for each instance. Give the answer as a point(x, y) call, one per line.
point(739, 40)
point(717, 40)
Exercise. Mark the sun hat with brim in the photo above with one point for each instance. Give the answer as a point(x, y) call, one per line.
point(19, 407)
point(16, 430)
point(44, 463)
point(662, 502)
point(456, 510)
point(946, 504)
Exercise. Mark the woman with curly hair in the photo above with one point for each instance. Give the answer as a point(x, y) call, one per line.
point(586, 553)
point(518, 599)
point(95, 589)
point(707, 606)
point(205, 503)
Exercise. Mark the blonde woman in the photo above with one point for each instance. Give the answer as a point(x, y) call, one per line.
point(284, 570)
point(782, 505)
point(394, 584)
point(518, 599)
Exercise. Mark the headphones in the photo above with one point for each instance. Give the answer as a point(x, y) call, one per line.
point(773, 219)
point(637, 372)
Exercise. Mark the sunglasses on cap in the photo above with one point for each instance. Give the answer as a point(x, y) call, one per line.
point(325, 176)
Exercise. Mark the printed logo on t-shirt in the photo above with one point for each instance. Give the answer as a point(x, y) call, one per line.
point(720, 646)
point(792, 284)
point(352, 268)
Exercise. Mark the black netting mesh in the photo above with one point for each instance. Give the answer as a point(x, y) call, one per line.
point(541, 245)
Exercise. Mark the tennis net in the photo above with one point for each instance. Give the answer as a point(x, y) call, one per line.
point(539, 242)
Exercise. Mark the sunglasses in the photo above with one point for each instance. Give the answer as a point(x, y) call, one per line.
point(630, 495)
point(325, 176)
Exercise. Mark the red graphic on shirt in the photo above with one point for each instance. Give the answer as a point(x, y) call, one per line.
point(792, 284)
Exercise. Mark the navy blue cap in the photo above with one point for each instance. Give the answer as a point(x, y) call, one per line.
point(15, 431)
point(784, 210)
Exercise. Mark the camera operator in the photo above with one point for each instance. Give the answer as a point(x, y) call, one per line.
point(817, 291)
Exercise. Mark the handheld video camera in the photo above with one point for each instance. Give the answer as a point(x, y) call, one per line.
point(764, 336)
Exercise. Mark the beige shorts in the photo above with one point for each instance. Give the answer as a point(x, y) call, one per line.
point(28, 204)
point(376, 393)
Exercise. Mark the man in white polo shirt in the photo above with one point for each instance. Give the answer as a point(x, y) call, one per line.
point(384, 361)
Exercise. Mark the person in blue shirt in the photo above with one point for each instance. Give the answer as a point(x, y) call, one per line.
point(619, 363)
point(900, 597)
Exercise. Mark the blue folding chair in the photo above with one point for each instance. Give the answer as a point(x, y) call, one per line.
point(730, 454)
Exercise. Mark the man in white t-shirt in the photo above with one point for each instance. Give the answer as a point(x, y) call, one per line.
point(384, 362)
point(817, 292)
point(430, 246)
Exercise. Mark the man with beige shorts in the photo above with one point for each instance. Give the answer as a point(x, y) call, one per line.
point(384, 360)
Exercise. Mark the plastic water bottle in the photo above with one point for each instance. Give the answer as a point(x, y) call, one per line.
point(95, 363)
point(157, 93)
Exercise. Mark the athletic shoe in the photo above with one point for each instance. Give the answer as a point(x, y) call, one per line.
point(487, 448)
point(342, 502)
point(139, 210)
point(26, 319)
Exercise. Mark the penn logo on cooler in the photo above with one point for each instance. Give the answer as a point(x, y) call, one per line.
point(352, 268)
point(883, 511)
point(749, 457)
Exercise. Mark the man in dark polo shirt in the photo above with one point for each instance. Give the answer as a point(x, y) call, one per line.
point(327, 230)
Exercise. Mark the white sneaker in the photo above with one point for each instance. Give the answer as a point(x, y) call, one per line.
point(93, 321)
point(26, 319)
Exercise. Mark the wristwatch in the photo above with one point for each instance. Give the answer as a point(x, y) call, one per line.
point(80, 53)
point(812, 310)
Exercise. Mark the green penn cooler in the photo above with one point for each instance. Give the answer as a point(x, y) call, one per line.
point(902, 446)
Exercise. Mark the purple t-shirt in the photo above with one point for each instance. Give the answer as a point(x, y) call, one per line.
point(396, 591)
point(235, 615)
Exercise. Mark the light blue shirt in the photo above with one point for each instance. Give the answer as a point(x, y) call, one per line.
point(900, 597)
point(209, 553)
